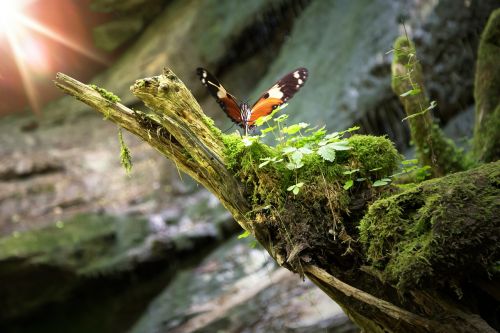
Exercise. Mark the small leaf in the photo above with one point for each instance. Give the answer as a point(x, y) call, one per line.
point(293, 166)
point(327, 152)
point(375, 169)
point(245, 234)
point(360, 179)
point(380, 183)
point(288, 150)
point(279, 108)
point(334, 135)
point(262, 120)
point(268, 129)
point(296, 156)
point(292, 129)
point(352, 129)
point(340, 145)
point(406, 162)
point(305, 150)
point(350, 172)
point(281, 118)
point(266, 160)
point(295, 188)
point(412, 92)
point(323, 143)
point(348, 184)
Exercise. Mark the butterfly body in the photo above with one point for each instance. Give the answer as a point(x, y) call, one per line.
point(244, 115)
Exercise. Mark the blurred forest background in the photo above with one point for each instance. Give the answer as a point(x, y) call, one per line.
point(86, 248)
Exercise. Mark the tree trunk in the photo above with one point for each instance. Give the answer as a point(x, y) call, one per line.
point(415, 261)
point(433, 148)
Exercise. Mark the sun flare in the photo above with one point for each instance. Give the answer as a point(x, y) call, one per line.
point(10, 12)
point(24, 36)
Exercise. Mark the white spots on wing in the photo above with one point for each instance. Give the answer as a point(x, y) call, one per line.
point(299, 81)
point(296, 74)
point(204, 81)
point(275, 92)
point(204, 74)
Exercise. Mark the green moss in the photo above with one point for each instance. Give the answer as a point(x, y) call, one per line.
point(376, 157)
point(86, 243)
point(211, 125)
point(451, 158)
point(106, 94)
point(233, 150)
point(125, 157)
point(441, 231)
point(321, 206)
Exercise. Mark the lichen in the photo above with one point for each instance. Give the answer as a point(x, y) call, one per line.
point(442, 231)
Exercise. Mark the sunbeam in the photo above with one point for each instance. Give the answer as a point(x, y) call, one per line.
point(32, 24)
point(31, 54)
point(24, 72)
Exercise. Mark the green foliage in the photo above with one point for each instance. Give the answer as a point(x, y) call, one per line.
point(125, 157)
point(302, 186)
point(303, 157)
point(244, 234)
point(295, 188)
point(348, 184)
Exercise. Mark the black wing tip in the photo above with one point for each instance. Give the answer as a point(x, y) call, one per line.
point(303, 71)
point(200, 70)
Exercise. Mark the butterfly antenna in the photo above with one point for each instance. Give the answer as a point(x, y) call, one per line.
point(225, 131)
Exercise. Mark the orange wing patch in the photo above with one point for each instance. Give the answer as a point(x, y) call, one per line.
point(263, 107)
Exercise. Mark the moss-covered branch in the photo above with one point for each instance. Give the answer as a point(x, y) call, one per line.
point(316, 231)
point(433, 148)
point(487, 92)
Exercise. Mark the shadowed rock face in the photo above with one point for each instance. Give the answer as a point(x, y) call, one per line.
point(238, 289)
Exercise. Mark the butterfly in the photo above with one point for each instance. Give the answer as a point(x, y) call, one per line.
point(244, 115)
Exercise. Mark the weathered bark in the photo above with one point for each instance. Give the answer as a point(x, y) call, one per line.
point(487, 92)
point(433, 148)
point(345, 268)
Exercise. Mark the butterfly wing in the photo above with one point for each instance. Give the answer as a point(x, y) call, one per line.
point(226, 101)
point(278, 94)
